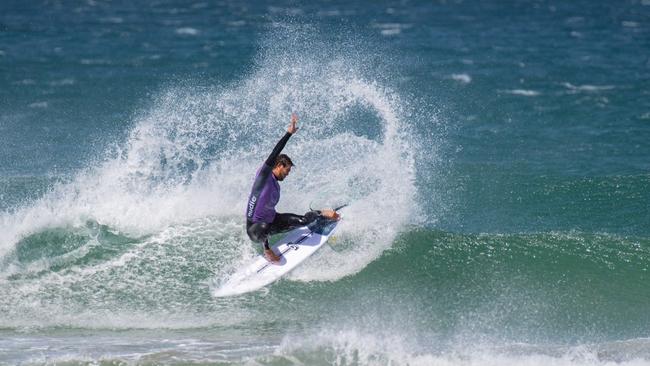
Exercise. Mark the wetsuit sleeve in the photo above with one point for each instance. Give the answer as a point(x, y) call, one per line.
point(270, 161)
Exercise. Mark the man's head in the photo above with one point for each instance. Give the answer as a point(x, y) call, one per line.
point(282, 167)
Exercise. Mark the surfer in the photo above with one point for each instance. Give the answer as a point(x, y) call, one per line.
point(261, 218)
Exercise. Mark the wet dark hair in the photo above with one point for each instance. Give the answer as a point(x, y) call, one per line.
point(283, 160)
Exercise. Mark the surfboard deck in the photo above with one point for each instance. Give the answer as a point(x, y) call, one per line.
point(296, 246)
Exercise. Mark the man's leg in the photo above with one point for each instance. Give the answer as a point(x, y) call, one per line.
point(259, 233)
point(287, 221)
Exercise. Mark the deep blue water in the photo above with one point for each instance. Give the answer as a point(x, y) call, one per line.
point(495, 155)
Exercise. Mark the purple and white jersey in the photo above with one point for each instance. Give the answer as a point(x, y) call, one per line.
point(265, 193)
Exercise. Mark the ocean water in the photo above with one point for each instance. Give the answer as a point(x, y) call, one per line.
point(494, 154)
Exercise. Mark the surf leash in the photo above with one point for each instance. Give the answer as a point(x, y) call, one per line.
point(342, 206)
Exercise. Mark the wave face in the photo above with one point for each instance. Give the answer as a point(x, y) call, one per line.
point(528, 287)
point(433, 297)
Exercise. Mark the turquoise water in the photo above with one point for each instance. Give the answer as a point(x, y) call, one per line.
point(494, 156)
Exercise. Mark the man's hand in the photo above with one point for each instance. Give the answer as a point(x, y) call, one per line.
point(292, 126)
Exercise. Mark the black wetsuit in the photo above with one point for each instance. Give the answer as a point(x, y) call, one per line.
point(261, 218)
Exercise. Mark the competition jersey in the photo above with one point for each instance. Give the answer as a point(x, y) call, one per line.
point(265, 193)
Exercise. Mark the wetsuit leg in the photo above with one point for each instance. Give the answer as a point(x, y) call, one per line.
point(259, 232)
point(288, 221)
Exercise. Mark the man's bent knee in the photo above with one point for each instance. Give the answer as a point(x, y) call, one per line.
point(258, 232)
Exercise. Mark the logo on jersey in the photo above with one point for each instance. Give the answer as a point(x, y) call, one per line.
point(251, 206)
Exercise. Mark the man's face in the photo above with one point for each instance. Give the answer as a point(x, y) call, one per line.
point(281, 171)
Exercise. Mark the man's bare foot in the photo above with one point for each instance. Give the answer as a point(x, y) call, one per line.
point(330, 214)
point(271, 256)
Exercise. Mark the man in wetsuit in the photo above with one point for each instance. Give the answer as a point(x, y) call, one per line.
point(261, 218)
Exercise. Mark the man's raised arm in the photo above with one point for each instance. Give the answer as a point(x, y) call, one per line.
point(270, 161)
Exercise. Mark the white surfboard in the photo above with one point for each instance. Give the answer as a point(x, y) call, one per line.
point(294, 248)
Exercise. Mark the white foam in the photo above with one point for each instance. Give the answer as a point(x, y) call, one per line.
point(347, 346)
point(38, 105)
point(187, 31)
point(390, 31)
point(342, 347)
point(587, 88)
point(522, 92)
point(462, 78)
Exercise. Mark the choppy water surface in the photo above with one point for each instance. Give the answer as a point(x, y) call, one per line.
point(494, 156)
